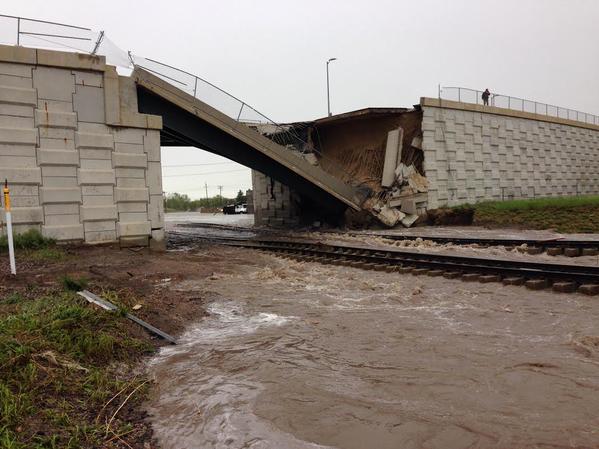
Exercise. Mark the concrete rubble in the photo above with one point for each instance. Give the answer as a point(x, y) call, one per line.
point(406, 187)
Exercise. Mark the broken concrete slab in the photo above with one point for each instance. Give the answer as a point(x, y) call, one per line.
point(403, 172)
point(394, 202)
point(418, 182)
point(409, 220)
point(408, 206)
point(389, 216)
point(390, 164)
point(417, 142)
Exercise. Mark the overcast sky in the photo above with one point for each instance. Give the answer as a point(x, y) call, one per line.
point(272, 54)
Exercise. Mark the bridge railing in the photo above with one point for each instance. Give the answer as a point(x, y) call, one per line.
point(466, 95)
point(27, 32)
point(42, 33)
point(228, 104)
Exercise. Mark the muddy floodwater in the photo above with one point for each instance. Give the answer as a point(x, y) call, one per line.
point(301, 355)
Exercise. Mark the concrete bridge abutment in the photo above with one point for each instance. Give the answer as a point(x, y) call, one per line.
point(82, 163)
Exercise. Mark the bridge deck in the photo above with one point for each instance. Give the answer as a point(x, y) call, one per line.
point(198, 124)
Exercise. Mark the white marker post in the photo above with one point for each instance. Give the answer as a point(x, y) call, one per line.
point(11, 247)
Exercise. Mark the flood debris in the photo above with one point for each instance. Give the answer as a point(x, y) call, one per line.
point(389, 216)
point(106, 305)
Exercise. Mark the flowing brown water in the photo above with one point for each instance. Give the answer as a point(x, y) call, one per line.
point(307, 356)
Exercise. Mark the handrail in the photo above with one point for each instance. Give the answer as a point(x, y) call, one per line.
point(214, 96)
point(45, 21)
point(467, 95)
point(40, 33)
point(282, 135)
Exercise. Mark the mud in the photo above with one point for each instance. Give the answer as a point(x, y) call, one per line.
point(300, 355)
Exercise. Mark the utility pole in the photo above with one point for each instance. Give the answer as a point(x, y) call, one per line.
point(328, 90)
point(220, 191)
point(206, 186)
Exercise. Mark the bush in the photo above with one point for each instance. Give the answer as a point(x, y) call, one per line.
point(31, 239)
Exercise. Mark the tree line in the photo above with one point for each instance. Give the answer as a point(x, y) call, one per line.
point(182, 202)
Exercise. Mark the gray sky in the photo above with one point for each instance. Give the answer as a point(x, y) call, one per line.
point(272, 54)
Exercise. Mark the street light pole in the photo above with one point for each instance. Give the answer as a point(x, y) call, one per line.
point(328, 90)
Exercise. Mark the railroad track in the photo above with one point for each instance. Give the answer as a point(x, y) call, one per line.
point(562, 278)
point(553, 247)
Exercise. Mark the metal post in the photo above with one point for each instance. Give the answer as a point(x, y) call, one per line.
point(439, 90)
point(328, 90)
point(535, 107)
point(240, 109)
point(195, 87)
point(7, 212)
point(19, 31)
point(98, 42)
point(459, 94)
point(509, 102)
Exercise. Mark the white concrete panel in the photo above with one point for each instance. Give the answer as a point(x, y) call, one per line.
point(54, 119)
point(57, 157)
point(60, 195)
point(53, 83)
point(18, 136)
point(130, 160)
point(18, 95)
point(90, 140)
point(91, 177)
point(88, 102)
point(64, 233)
point(98, 213)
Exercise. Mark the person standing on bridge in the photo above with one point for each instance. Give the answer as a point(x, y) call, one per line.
point(486, 95)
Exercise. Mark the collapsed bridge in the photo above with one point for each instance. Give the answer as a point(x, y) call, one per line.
point(80, 146)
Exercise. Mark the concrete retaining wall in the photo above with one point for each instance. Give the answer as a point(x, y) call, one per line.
point(474, 153)
point(81, 162)
point(274, 203)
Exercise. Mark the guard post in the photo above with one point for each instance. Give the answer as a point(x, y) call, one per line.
point(11, 248)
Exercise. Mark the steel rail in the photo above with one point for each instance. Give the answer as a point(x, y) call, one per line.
point(493, 241)
point(557, 242)
point(391, 257)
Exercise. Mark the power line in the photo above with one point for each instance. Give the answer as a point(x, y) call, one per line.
point(205, 173)
point(198, 165)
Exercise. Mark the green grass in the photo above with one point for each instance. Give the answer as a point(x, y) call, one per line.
point(72, 284)
point(55, 357)
point(577, 214)
point(31, 239)
point(50, 254)
point(540, 203)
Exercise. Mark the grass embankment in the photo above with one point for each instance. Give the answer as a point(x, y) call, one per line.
point(564, 214)
point(66, 368)
point(33, 246)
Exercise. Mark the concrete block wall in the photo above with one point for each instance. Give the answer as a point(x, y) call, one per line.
point(82, 163)
point(471, 155)
point(275, 204)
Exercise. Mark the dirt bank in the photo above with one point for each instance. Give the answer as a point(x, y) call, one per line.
point(72, 374)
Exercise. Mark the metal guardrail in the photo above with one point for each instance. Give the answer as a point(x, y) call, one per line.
point(229, 105)
point(466, 95)
point(219, 99)
point(22, 31)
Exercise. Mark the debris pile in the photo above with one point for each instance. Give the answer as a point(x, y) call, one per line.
point(406, 187)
